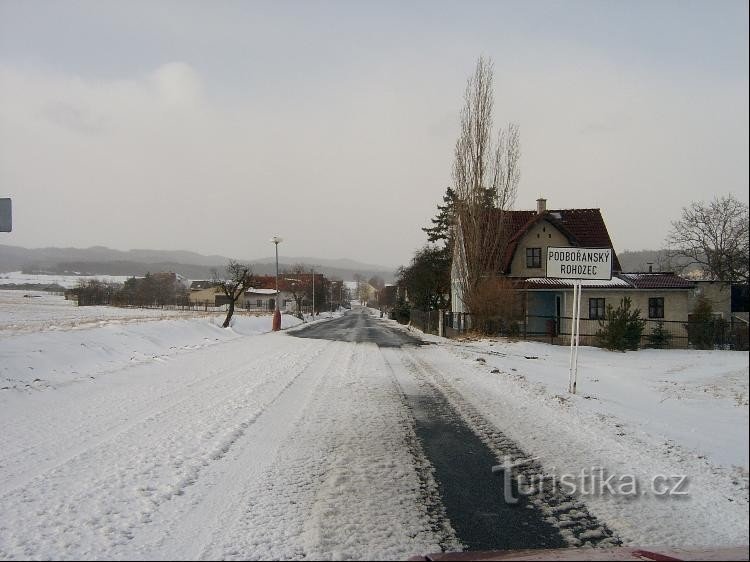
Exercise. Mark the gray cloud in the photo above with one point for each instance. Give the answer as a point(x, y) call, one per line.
point(212, 132)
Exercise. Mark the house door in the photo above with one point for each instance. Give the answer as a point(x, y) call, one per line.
point(271, 304)
point(558, 310)
point(542, 307)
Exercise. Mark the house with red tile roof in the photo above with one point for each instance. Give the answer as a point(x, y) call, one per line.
point(261, 297)
point(659, 295)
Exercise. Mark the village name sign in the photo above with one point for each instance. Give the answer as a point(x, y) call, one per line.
point(579, 263)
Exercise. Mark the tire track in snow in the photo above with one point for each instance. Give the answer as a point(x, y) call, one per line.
point(429, 489)
point(96, 501)
point(89, 430)
point(343, 485)
point(211, 510)
point(270, 512)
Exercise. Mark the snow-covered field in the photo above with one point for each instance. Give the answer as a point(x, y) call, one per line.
point(66, 281)
point(172, 438)
point(36, 311)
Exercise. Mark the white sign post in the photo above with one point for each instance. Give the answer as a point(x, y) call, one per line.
point(578, 264)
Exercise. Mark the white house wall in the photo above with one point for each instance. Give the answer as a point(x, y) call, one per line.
point(675, 301)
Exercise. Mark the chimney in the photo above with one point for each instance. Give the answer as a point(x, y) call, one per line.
point(650, 266)
point(541, 206)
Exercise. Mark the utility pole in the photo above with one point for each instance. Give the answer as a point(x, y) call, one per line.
point(276, 325)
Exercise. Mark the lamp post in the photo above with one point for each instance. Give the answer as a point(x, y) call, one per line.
point(276, 326)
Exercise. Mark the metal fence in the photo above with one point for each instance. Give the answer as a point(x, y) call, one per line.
point(428, 321)
point(718, 333)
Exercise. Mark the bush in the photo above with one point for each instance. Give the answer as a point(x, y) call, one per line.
point(493, 304)
point(622, 328)
point(704, 329)
point(659, 337)
point(400, 312)
point(514, 330)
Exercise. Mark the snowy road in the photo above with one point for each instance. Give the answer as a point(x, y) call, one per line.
point(461, 454)
point(274, 446)
point(261, 447)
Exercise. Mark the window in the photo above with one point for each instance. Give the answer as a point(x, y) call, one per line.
point(656, 307)
point(596, 309)
point(259, 303)
point(533, 257)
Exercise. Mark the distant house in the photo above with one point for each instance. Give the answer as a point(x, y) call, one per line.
point(660, 296)
point(262, 296)
point(260, 300)
point(717, 293)
point(206, 293)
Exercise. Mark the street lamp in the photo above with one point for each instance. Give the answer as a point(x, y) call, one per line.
point(276, 326)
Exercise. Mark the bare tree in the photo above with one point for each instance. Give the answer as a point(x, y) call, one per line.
point(358, 279)
point(239, 278)
point(714, 237)
point(486, 175)
point(363, 292)
point(299, 279)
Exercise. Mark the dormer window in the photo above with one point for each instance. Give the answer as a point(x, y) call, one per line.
point(533, 258)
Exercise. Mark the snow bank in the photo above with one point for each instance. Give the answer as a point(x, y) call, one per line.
point(695, 399)
point(644, 415)
point(36, 361)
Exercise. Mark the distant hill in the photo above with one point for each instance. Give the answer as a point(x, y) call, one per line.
point(99, 260)
point(631, 260)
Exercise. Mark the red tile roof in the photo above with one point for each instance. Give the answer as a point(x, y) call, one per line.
point(584, 228)
point(269, 281)
point(657, 280)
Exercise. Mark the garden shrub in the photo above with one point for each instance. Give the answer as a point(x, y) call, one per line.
point(622, 327)
point(659, 338)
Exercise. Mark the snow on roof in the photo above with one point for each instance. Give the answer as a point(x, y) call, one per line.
point(544, 282)
point(199, 285)
point(618, 281)
point(260, 291)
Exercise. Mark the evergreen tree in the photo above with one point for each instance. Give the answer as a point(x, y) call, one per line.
point(622, 328)
point(427, 279)
point(441, 229)
point(659, 337)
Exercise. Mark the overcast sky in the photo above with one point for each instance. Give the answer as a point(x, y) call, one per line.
point(212, 126)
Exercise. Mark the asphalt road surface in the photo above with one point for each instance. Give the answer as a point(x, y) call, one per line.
point(359, 326)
